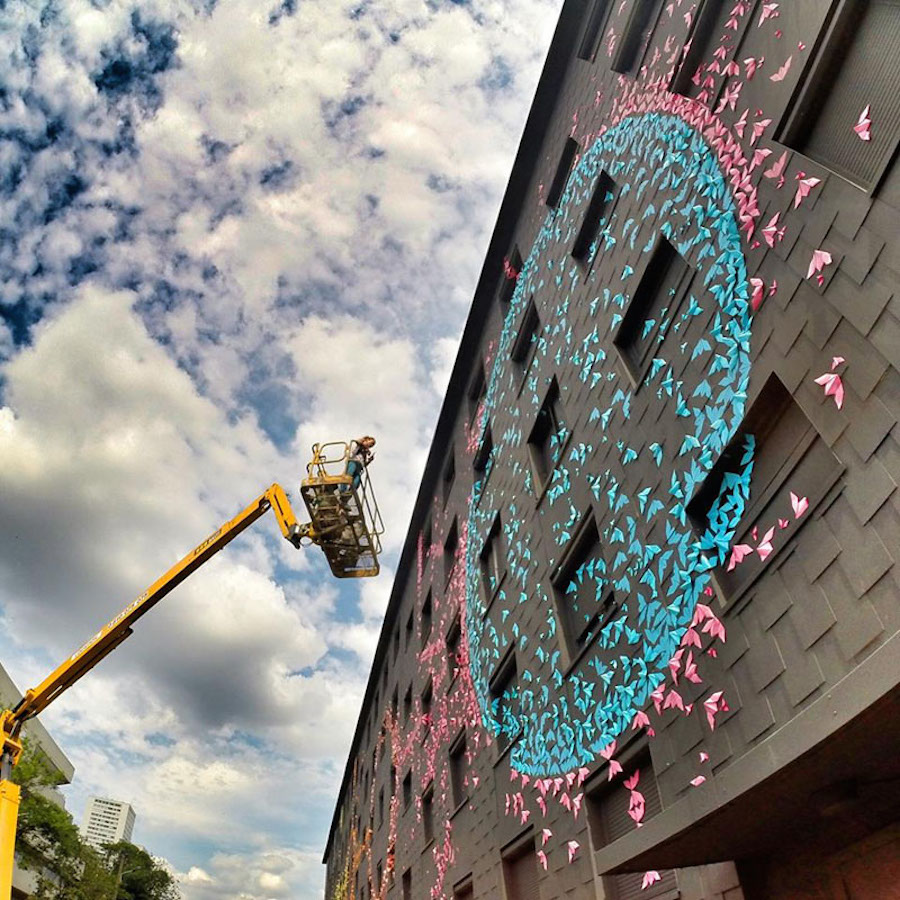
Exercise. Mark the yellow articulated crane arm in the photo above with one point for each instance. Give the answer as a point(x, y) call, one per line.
point(341, 525)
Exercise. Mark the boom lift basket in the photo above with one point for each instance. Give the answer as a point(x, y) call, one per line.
point(346, 522)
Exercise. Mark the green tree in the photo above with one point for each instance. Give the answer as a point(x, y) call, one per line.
point(138, 875)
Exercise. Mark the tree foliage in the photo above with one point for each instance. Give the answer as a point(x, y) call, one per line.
point(66, 867)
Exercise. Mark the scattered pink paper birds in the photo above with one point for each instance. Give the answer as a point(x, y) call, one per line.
point(650, 878)
point(772, 232)
point(863, 126)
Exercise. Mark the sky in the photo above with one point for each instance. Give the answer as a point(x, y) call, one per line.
point(229, 228)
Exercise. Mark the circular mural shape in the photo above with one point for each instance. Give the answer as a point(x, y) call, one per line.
point(660, 181)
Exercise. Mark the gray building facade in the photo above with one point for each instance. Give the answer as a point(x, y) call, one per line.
point(643, 637)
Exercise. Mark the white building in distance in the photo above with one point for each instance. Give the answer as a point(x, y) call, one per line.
point(107, 822)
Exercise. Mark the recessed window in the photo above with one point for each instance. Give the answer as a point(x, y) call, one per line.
point(407, 789)
point(450, 547)
point(705, 31)
point(591, 37)
point(600, 203)
point(454, 636)
point(510, 275)
point(381, 807)
point(477, 391)
point(482, 459)
point(406, 885)
point(407, 705)
point(856, 67)
point(426, 619)
point(410, 628)
point(378, 875)
point(395, 703)
point(458, 769)
point(546, 439)
point(449, 475)
point(392, 781)
point(520, 871)
point(663, 286)
point(789, 457)
point(608, 820)
point(428, 815)
point(427, 698)
point(491, 561)
point(396, 643)
point(641, 22)
point(524, 345)
point(570, 149)
point(465, 890)
point(504, 687)
point(582, 611)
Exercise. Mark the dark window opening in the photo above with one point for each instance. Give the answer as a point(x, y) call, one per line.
point(427, 698)
point(641, 19)
point(591, 38)
point(450, 547)
point(426, 619)
point(603, 195)
point(545, 440)
point(395, 703)
point(582, 612)
point(464, 891)
point(407, 789)
point(608, 820)
point(477, 392)
point(410, 628)
point(458, 770)
point(504, 695)
point(483, 456)
point(448, 478)
point(789, 457)
point(704, 31)
point(526, 340)
point(510, 275)
point(855, 68)
point(406, 885)
point(520, 872)
point(381, 807)
point(491, 562)
point(428, 815)
point(454, 636)
point(570, 149)
point(662, 288)
point(407, 705)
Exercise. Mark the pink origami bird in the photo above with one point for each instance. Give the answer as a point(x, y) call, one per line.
point(546, 834)
point(696, 782)
point(765, 545)
point(714, 703)
point(758, 129)
point(863, 126)
point(650, 878)
point(738, 552)
point(804, 186)
point(607, 753)
point(741, 123)
point(704, 756)
point(836, 361)
point(572, 847)
point(820, 259)
point(772, 232)
point(751, 64)
point(776, 170)
point(799, 504)
point(769, 11)
point(542, 859)
point(779, 75)
point(509, 271)
point(834, 387)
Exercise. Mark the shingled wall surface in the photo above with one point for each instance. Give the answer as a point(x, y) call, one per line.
point(504, 766)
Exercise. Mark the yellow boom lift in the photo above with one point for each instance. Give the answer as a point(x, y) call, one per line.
point(344, 521)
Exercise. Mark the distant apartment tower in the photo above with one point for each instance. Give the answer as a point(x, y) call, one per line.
point(107, 821)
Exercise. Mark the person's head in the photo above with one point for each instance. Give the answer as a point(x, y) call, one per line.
point(367, 441)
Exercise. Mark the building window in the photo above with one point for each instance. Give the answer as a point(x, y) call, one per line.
point(392, 781)
point(482, 460)
point(428, 815)
point(427, 698)
point(546, 439)
point(465, 890)
point(407, 705)
point(520, 871)
point(688, 79)
point(426, 619)
point(395, 703)
point(641, 22)
point(591, 37)
point(608, 820)
point(448, 477)
point(410, 628)
point(458, 770)
point(856, 67)
point(510, 276)
point(504, 701)
point(453, 639)
point(477, 391)
point(406, 885)
point(600, 203)
point(663, 286)
point(582, 611)
point(525, 343)
point(378, 874)
point(570, 149)
point(491, 561)
point(407, 789)
point(397, 642)
point(381, 807)
point(789, 457)
point(450, 547)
